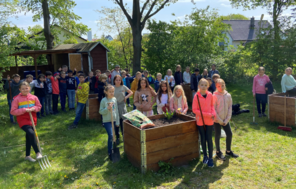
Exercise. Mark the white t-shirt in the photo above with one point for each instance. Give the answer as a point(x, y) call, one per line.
point(164, 99)
point(186, 77)
point(169, 79)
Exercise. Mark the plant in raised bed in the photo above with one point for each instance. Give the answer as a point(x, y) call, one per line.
point(169, 115)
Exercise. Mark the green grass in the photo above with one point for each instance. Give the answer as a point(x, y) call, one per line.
point(79, 157)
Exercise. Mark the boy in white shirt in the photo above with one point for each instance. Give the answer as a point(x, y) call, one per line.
point(187, 75)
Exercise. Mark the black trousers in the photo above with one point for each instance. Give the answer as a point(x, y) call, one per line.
point(261, 99)
point(30, 139)
point(55, 101)
point(206, 137)
point(228, 132)
point(117, 129)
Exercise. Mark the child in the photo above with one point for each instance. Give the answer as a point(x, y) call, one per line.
point(120, 95)
point(214, 79)
point(223, 108)
point(135, 84)
point(40, 92)
point(108, 73)
point(114, 73)
point(143, 97)
point(187, 76)
point(109, 105)
point(63, 90)
point(77, 77)
point(205, 74)
point(127, 72)
point(210, 89)
point(194, 81)
point(48, 97)
point(163, 97)
point(101, 86)
point(208, 112)
point(259, 90)
point(178, 102)
point(149, 78)
point(127, 83)
point(29, 79)
point(171, 79)
point(157, 81)
point(22, 104)
point(178, 75)
point(81, 98)
point(90, 79)
point(12, 88)
point(55, 91)
point(288, 82)
point(95, 81)
point(71, 86)
point(213, 71)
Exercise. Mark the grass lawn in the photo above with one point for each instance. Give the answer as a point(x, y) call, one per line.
point(79, 157)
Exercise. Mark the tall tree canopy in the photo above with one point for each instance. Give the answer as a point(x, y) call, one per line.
point(234, 17)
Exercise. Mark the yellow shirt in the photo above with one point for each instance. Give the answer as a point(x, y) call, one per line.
point(82, 92)
point(134, 86)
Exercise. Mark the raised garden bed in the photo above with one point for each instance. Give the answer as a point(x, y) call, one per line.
point(92, 107)
point(276, 109)
point(178, 140)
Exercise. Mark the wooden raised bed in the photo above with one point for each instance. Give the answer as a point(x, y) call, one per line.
point(145, 148)
point(92, 107)
point(276, 109)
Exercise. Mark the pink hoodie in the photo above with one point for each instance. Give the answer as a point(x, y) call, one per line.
point(207, 105)
point(259, 84)
point(223, 107)
point(174, 106)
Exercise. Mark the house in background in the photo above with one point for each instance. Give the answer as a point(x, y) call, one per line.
point(243, 31)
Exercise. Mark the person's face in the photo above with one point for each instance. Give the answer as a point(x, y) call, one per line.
point(139, 76)
point(159, 77)
point(49, 76)
point(70, 74)
point(178, 69)
point(203, 86)
point(196, 73)
point(169, 73)
point(205, 72)
point(213, 67)
point(29, 79)
point(146, 74)
point(164, 87)
point(110, 93)
point(117, 69)
point(117, 81)
point(107, 73)
point(123, 75)
point(220, 87)
point(288, 72)
point(178, 92)
point(98, 73)
point(81, 79)
point(63, 75)
point(16, 79)
point(42, 79)
point(25, 90)
point(187, 69)
point(261, 72)
point(210, 82)
point(104, 80)
point(215, 79)
point(91, 74)
point(65, 69)
point(143, 84)
point(58, 77)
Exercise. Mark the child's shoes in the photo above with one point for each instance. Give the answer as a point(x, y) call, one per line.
point(29, 158)
point(232, 154)
point(38, 156)
point(210, 163)
point(205, 160)
point(220, 156)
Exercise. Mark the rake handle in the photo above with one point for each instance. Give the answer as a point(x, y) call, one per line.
point(285, 106)
point(201, 111)
point(112, 122)
point(36, 135)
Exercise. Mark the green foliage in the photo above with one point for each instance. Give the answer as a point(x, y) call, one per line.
point(169, 115)
point(166, 168)
point(71, 40)
point(234, 17)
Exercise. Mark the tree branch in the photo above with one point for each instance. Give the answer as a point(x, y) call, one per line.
point(144, 6)
point(124, 11)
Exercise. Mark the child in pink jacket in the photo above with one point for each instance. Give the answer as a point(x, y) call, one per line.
point(22, 104)
point(259, 90)
point(208, 112)
point(178, 102)
point(223, 108)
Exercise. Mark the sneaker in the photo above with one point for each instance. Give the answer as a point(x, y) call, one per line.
point(232, 154)
point(220, 156)
point(110, 157)
point(260, 115)
point(129, 105)
point(210, 163)
point(205, 160)
point(29, 158)
point(264, 115)
point(38, 156)
point(72, 127)
point(223, 134)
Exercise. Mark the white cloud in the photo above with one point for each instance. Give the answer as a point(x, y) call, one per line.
point(225, 5)
point(188, 1)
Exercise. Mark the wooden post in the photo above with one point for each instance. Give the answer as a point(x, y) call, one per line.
point(17, 70)
point(35, 63)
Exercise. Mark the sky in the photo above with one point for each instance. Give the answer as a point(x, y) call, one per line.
point(87, 10)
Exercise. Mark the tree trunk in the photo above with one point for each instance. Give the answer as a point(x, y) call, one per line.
point(49, 38)
point(276, 42)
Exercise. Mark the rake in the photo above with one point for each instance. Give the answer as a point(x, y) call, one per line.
point(43, 162)
point(254, 123)
point(285, 128)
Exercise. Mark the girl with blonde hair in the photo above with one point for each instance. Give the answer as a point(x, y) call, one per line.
point(178, 101)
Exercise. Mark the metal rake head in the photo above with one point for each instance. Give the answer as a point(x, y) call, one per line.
point(44, 162)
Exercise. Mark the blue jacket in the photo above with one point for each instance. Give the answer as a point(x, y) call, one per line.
point(211, 73)
point(127, 82)
point(156, 85)
point(150, 80)
point(194, 82)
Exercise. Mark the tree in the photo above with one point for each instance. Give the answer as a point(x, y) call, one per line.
point(137, 20)
point(234, 17)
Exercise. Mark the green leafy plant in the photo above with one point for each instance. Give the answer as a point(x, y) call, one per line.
point(169, 115)
point(166, 167)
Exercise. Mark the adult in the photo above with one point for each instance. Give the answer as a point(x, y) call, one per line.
point(114, 73)
point(213, 71)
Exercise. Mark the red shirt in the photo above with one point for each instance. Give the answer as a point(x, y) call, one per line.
point(55, 86)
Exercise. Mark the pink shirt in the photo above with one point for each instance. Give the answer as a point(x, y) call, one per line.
point(259, 84)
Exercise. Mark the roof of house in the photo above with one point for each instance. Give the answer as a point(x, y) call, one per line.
point(81, 47)
point(241, 30)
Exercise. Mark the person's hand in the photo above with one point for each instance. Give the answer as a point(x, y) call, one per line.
point(171, 80)
point(28, 110)
point(8, 77)
point(60, 69)
point(110, 106)
point(193, 91)
point(75, 69)
point(213, 117)
point(224, 124)
point(266, 88)
point(254, 95)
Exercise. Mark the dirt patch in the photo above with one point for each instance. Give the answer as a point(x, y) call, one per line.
point(164, 121)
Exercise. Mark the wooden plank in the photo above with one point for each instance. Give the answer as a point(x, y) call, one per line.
point(93, 96)
point(132, 142)
point(131, 130)
point(171, 130)
point(280, 108)
point(171, 141)
point(279, 100)
point(178, 151)
point(130, 151)
point(279, 118)
point(75, 61)
point(96, 117)
point(133, 161)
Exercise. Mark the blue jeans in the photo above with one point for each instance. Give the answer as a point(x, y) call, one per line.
point(48, 102)
point(79, 111)
point(11, 116)
point(108, 127)
point(63, 100)
point(42, 102)
point(71, 98)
